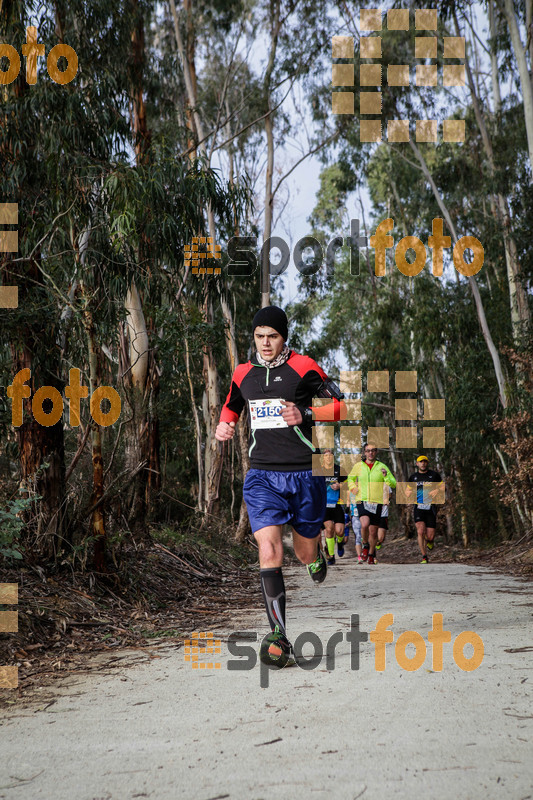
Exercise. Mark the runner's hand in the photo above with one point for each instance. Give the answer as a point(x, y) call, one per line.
point(224, 431)
point(291, 413)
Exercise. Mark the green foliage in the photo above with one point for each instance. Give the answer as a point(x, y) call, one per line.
point(12, 524)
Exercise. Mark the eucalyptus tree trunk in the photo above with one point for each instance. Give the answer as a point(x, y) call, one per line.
point(197, 429)
point(241, 429)
point(211, 405)
point(274, 7)
point(496, 94)
point(473, 285)
point(98, 530)
point(520, 314)
point(135, 372)
point(523, 70)
point(142, 436)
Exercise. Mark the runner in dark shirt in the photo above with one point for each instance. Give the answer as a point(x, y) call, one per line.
point(334, 511)
point(277, 388)
point(425, 512)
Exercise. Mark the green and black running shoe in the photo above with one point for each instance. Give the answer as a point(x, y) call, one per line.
point(318, 569)
point(429, 545)
point(276, 650)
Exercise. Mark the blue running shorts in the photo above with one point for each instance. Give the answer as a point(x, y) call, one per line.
point(276, 498)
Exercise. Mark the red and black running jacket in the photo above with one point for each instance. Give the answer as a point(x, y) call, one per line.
point(297, 380)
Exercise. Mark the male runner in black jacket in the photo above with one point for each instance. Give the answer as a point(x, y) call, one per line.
point(278, 387)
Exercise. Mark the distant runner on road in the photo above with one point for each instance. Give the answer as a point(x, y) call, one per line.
point(366, 479)
point(425, 513)
point(356, 527)
point(384, 520)
point(277, 388)
point(334, 512)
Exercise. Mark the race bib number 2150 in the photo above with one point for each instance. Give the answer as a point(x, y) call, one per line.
point(266, 414)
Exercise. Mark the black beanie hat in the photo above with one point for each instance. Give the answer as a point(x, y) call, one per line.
point(273, 317)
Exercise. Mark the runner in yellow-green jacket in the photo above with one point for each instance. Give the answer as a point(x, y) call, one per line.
point(365, 482)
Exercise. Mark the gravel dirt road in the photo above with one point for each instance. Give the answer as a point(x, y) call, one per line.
point(163, 730)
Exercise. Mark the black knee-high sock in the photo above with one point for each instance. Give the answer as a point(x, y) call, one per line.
point(273, 588)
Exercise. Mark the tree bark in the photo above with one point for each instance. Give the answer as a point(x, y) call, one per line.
point(241, 429)
point(496, 95)
point(135, 371)
point(143, 436)
point(97, 516)
point(525, 79)
point(473, 285)
point(269, 131)
point(197, 428)
point(213, 448)
point(520, 314)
